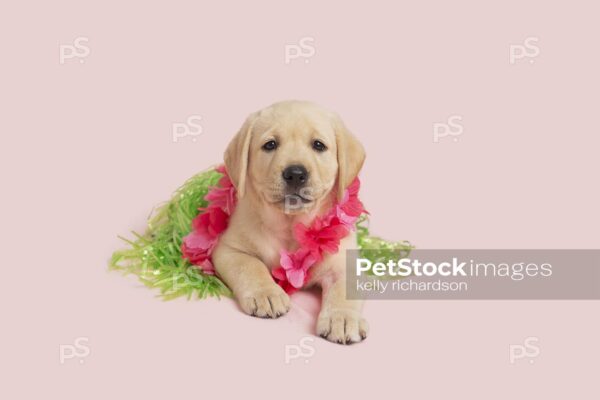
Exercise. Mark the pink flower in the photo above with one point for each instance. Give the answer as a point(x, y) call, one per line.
point(211, 223)
point(294, 269)
point(221, 169)
point(347, 220)
point(195, 247)
point(350, 204)
point(223, 196)
point(207, 267)
point(281, 279)
point(199, 257)
point(324, 235)
point(208, 226)
point(350, 208)
point(198, 245)
point(296, 265)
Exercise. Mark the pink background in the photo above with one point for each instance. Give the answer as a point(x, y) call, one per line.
point(87, 151)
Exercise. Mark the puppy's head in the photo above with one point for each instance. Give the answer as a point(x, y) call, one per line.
point(292, 155)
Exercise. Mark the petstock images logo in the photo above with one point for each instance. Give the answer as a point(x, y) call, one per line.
point(474, 274)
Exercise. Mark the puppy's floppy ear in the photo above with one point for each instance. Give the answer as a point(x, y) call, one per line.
point(237, 153)
point(350, 156)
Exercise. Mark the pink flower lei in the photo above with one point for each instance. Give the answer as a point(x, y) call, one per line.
point(322, 236)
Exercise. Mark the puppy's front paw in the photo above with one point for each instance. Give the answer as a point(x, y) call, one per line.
point(342, 326)
point(266, 302)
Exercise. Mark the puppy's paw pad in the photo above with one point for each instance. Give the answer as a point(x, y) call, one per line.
point(270, 302)
point(342, 326)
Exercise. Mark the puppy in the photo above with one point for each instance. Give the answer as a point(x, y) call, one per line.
point(291, 153)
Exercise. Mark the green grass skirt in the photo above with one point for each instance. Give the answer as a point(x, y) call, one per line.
point(155, 256)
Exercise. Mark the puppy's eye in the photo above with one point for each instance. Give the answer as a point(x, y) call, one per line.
point(319, 146)
point(270, 145)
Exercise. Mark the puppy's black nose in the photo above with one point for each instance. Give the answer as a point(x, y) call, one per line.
point(295, 175)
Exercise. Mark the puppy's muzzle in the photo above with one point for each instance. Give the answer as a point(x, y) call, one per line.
point(295, 176)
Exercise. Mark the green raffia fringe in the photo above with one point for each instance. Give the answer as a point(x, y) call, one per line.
point(155, 256)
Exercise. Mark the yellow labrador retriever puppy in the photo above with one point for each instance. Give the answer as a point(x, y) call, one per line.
point(298, 151)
